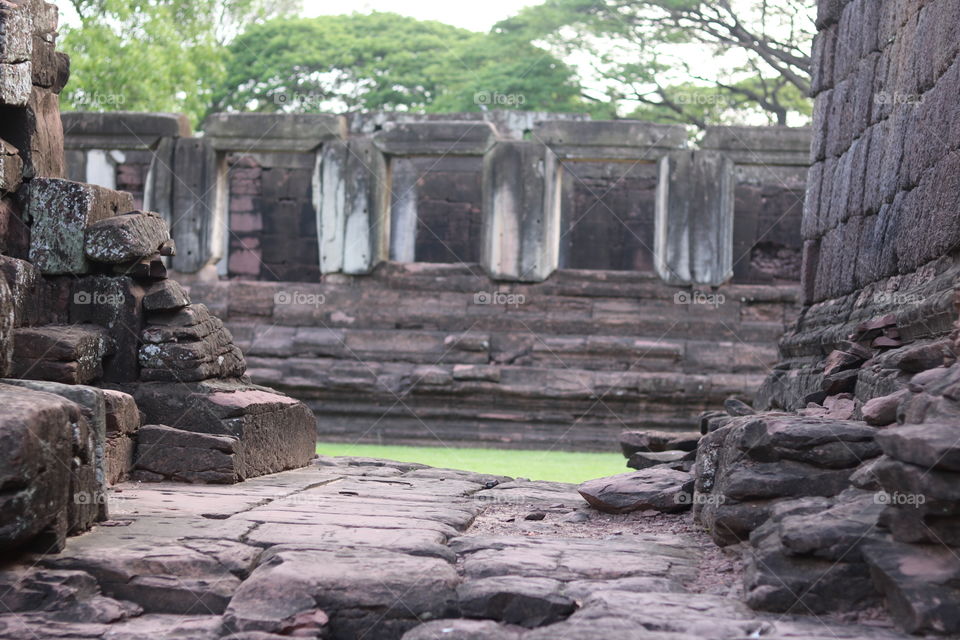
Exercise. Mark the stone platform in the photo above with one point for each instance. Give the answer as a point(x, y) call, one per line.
point(352, 548)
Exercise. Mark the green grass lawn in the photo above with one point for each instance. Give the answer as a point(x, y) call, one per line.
point(562, 466)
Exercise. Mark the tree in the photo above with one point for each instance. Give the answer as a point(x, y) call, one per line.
point(690, 61)
point(392, 62)
point(154, 55)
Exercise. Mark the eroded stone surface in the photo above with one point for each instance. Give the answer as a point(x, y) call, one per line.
point(657, 488)
point(350, 548)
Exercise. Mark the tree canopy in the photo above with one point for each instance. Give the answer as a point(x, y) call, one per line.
point(154, 55)
point(688, 61)
point(392, 62)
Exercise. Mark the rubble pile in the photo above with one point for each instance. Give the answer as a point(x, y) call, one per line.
point(106, 370)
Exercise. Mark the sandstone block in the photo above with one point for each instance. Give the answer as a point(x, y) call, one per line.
point(125, 238)
point(72, 354)
point(657, 488)
point(15, 84)
point(166, 295)
point(61, 211)
point(16, 41)
point(11, 167)
point(273, 432)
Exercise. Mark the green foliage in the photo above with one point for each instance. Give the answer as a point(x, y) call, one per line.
point(688, 61)
point(391, 62)
point(153, 55)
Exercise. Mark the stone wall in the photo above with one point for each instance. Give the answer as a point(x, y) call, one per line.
point(381, 229)
point(108, 371)
point(880, 228)
point(277, 206)
point(848, 499)
point(440, 354)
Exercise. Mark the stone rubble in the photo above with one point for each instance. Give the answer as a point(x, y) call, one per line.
point(90, 326)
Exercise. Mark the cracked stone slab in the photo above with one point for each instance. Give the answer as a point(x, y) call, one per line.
point(570, 559)
point(418, 542)
point(160, 576)
point(527, 602)
point(126, 238)
point(366, 592)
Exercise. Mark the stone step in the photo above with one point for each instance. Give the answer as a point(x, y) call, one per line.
point(61, 211)
point(72, 354)
point(921, 585)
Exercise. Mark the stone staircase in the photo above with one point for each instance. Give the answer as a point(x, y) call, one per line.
point(435, 353)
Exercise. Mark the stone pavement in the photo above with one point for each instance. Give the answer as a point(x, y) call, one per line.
point(352, 548)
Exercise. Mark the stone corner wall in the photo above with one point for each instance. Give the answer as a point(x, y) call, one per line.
point(880, 230)
point(107, 370)
point(846, 491)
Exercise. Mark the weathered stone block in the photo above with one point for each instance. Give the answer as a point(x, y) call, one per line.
point(609, 139)
point(166, 295)
point(11, 167)
point(522, 211)
point(87, 479)
point(36, 449)
point(658, 488)
point(125, 238)
point(116, 304)
point(919, 583)
point(15, 84)
point(449, 137)
point(16, 41)
point(811, 548)
point(351, 203)
point(186, 456)
point(122, 414)
point(72, 354)
point(43, 132)
point(272, 132)
point(273, 432)
point(695, 208)
point(61, 211)
point(199, 200)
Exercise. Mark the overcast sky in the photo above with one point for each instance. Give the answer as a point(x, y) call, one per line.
point(473, 15)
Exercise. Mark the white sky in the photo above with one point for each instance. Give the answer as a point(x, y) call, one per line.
point(474, 15)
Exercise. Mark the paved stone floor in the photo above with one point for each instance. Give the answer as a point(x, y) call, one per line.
point(354, 548)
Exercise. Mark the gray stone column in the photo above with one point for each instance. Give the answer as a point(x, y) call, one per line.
point(521, 208)
point(199, 208)
point(352, 200)
point(694, 218)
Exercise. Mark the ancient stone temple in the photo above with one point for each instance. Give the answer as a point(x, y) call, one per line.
point(525, 279)
point(518, 279)
point(109, 371)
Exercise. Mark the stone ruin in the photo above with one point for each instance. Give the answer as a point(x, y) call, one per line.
point(109, 372)
point(838, 482)
point(843, 478)
point(282, 230)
